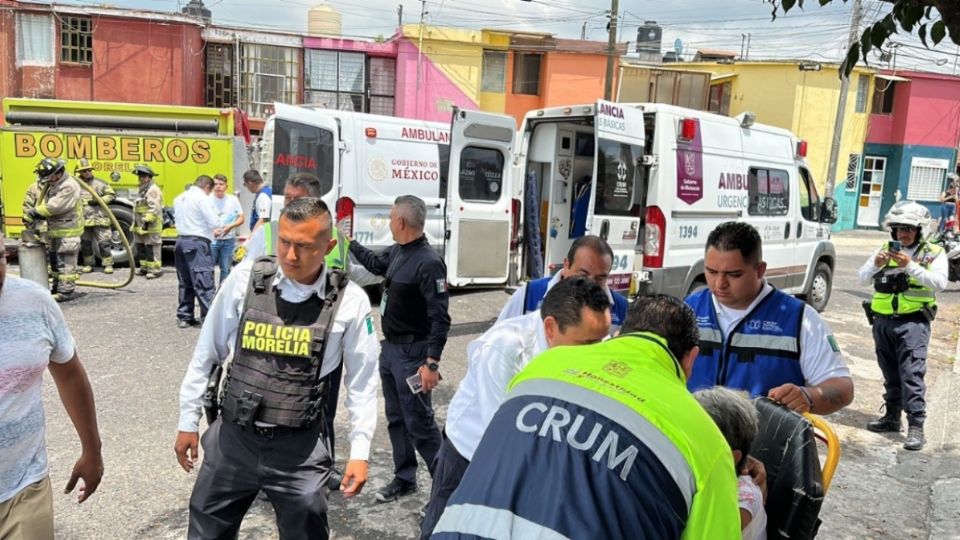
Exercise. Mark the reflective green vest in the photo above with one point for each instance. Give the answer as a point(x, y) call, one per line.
point(638, 371)
point(913, 299)
point(337, 259)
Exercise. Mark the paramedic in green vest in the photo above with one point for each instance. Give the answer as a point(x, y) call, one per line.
point(611, 432)
point(905, 273)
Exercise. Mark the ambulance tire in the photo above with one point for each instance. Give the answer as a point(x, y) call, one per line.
point(698, 285)
point(821, 285)
point(125, 217)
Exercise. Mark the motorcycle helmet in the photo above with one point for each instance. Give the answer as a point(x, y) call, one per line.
point(907, 214)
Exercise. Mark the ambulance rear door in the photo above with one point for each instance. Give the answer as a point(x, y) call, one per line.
point(478, 203)
point(303, 141)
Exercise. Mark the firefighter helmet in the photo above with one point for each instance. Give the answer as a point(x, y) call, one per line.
point(48, 167)
point(907, 214)
point(82, 165)
point(141, 170)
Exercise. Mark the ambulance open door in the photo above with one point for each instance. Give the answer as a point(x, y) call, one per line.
point(303, 141)
point(615, 203)
point(478, 204)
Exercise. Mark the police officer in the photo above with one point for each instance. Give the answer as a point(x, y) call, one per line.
point(148, 222)
point(603, 441)
point(96, 223)
point(590, 257)
point(905, 273)
point(415, 322)
point(60, 205)
point(288, 323)
point(760, 340)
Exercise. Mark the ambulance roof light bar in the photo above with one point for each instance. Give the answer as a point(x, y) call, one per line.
point(802, 148)
point(688, 129)
point(747, 119)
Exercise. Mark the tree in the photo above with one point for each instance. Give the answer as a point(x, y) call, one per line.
point(932, 19)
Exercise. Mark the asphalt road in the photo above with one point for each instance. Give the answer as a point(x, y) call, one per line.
point(136, 358)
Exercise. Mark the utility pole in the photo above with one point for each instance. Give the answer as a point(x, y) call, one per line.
point(748, 47)
point(583, 31)
point(611, 49)
point(423, 12)
point(842, 104)
point(400, 16)
point(743, 40)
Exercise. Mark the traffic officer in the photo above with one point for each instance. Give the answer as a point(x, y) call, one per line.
point(589, 257)
point(96, 222)
point(287, 322)
point(905, 273)
point(575, 312)
point(603, 441)
point(760, 340)
point(413, 311)
point(60, 205)
point(197, 225)
point(148, 222)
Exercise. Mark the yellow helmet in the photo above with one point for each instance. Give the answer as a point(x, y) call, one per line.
point(82, 165)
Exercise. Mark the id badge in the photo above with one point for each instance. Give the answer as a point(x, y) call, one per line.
point(383, 303)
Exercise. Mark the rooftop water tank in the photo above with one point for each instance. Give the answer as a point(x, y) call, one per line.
point(324, 20)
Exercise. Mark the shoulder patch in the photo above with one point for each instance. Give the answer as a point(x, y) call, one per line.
point(833, 343)
point(441, 286)
point(369, 325)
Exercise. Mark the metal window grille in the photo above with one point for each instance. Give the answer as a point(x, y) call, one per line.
point(268, 73)
point(220, 80)
point(76, 40)
point(526, 74)
point(853, 171)
point(925, 182)
point(35, 39)
point(494, 72)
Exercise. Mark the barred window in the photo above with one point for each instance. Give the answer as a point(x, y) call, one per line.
point(494, 72)
point(926, 179)
point(269, 74)
point(350, 81)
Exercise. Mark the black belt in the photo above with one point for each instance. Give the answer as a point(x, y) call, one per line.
point(404, 339)
point(918, 315)
point(273, 432)
point(190, 236)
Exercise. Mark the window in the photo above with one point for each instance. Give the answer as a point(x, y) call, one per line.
point(76, 40)
point(809, 199)
point(769, 191)
point(301, 148)
point(883, 97)
point(348, 81)
point(926, 179)
point(526, 74)
point(853, 171)
point(494, 72)
point(617, 183)
point(383, 84)
point(268, 73)
point(34, 40)
point(863, 86)
point(220, 80)
point(720, 98)
point(481, 174)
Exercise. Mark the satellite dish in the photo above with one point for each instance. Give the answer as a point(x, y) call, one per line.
point(678, 46)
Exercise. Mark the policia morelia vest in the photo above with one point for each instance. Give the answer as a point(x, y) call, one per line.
point(274, 377)
point(897, 293)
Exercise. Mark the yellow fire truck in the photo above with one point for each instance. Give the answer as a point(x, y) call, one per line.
point(179, 143)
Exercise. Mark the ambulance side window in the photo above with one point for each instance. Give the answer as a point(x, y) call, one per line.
point(299, 148)
point(443, 155)
point(769, 191)
point(809, 199)
point(481, 174)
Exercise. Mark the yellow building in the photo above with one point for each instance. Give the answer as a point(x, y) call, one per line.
point(801, 96)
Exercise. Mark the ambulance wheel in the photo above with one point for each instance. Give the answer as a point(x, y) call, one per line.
point(698, 285)
point(125, 217)
point(820, 287)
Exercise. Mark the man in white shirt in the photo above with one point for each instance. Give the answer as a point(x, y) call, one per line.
point(231, 216)
point(574, 312)
point(270, 434)
point(197, 225)
point(34, 338)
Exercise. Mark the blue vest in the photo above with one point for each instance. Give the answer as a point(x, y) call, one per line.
point(255, 216)
point(537, 289)
point(762, 351)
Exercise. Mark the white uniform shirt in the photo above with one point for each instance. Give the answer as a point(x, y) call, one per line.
point(195, 214)
point(352, 336)
point(264, 205)
point(514, 306)
point(818, 360)
point(493, 360)
point(935, 278)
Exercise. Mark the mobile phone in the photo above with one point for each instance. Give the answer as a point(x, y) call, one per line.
point(895, 245)
point(415, 383)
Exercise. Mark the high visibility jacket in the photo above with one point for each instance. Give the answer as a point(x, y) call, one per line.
point(917, 295)
point(338, 259)
point(761, 352)
point(62, 207)
point(93, 214)
point(148, 210)
point(598, 441)
point(535, 291)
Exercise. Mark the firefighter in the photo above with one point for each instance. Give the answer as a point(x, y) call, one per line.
point(37, 226)
point(60, 205)
point(148, 222)
point(906, 273)
point(96, 223)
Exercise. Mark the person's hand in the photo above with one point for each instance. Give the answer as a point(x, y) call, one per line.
point(218, 232)
point(901, 258)
point(89, 468)
point(354, 477)
point(33, 214)
point(881, 259)
point(186, 449)
point(758, 473)
point(792, 396)
point(429, 378)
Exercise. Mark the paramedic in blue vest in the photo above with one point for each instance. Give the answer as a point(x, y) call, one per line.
point(262, 202)
point(415, 321)
point(575, 312)
point(905, 278)
point(589, 257)
point(756, 338)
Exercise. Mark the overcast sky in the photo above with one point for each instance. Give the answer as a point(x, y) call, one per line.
point(816, 33)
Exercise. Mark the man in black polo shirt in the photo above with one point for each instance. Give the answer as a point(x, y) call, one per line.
point(415, 322)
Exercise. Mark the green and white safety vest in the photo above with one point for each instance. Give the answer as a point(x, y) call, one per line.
point(917, 295)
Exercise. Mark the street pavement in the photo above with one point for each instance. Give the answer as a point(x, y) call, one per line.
point(136, 358)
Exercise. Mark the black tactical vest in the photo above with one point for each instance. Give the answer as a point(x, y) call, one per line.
point(275, 373)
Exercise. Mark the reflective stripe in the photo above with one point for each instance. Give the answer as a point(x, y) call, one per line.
point(774, 343)
point(710, 334)
point(268, 232)
point(641, 428)
point(922, 293)
point(487, 522)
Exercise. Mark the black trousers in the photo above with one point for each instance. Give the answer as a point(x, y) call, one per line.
point(902, 354)
point(410, 421)
point(447, 474)
point(291, 469)
point(194, 262)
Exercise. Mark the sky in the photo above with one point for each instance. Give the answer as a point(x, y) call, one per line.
point(815, 33)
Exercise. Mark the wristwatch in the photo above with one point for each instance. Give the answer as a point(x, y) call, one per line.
point(433, 365)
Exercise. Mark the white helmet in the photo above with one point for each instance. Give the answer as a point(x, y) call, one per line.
point(907, 213)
